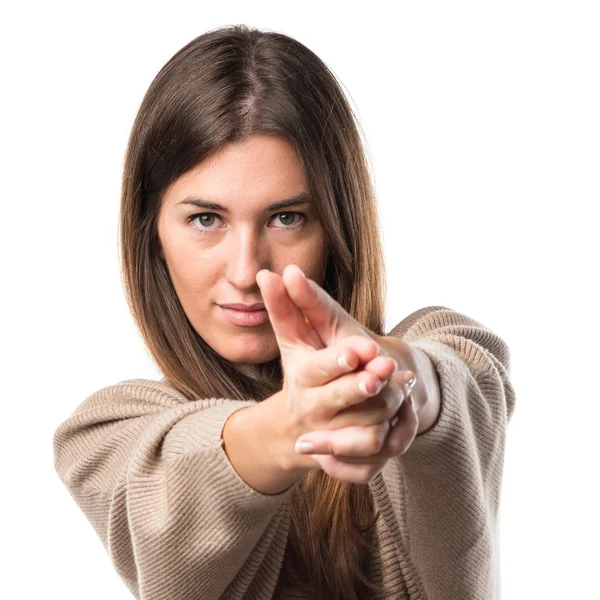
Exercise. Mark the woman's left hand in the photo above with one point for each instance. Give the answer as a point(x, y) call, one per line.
point(374, 444)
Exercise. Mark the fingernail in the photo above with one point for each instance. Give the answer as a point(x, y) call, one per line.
point(305, 447)
point(294, 267)
point(300, 271)
point(259, 276)
point(363, 388)
point(409, 379)
point(343, 361)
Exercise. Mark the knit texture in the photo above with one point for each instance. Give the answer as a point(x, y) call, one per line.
point(147, 467)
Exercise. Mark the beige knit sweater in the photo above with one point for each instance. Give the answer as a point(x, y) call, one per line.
point(147, 467)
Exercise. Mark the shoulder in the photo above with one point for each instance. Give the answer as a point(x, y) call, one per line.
point(135, 391)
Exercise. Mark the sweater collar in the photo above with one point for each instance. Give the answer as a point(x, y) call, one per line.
point(250, 369)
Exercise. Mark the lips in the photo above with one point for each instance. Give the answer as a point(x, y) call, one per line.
point(244, 307)
point(245, 318)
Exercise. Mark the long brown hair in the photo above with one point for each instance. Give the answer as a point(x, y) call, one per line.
point(223, 86)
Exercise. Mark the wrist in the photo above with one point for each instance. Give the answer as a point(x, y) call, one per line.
point(426, 392)
point(429, 409)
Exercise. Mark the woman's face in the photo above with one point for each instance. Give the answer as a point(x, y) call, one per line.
point(213, 253)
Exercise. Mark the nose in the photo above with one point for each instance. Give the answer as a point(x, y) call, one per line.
point(246, 256)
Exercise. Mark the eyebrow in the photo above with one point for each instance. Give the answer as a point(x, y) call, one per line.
point(302, 198)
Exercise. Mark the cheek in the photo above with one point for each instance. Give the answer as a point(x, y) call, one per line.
point(193, 281)
point(310, 257)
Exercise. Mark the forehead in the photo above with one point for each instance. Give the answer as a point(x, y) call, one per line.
point(254, 172)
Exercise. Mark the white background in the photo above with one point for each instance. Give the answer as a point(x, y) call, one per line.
point(483, 132)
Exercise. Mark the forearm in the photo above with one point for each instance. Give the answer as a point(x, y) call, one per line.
point(426, 392)
point(258, 450)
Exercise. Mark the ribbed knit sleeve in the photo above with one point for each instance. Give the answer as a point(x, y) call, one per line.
point(148, 468)
point(445, 490)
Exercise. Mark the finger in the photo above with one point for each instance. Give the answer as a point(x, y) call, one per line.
point(350, 442)
point(403, 433)
point(337, 365)
point(365, 347)
point(351, 406)
point(355, 399)
point(288, 323)
point(383, 406)
point(356, 444)
point(327, 365)
point(383, 367)
point(399, 438)
point(324, 314)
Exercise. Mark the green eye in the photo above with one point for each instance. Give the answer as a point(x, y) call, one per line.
point(206, 216)
point(206, 219)
point(288, 214)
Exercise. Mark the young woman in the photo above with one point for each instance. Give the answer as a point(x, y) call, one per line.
point(253, 267)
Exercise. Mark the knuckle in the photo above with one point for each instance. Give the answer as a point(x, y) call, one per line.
point(339, 401)
point(379, 351)
point(340, 395)
point(312, 412)
point(305, 408)
point(380, 410)
point(303, 416)
point(381, 435)
point(395, 445)
point(355, 339)
point(374, 443)
point(393, 399)
point(394, 407)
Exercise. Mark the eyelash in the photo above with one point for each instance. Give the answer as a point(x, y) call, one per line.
point(204, 231)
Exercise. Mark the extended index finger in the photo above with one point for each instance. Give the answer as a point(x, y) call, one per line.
point(288, 323)
point(321, 310)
